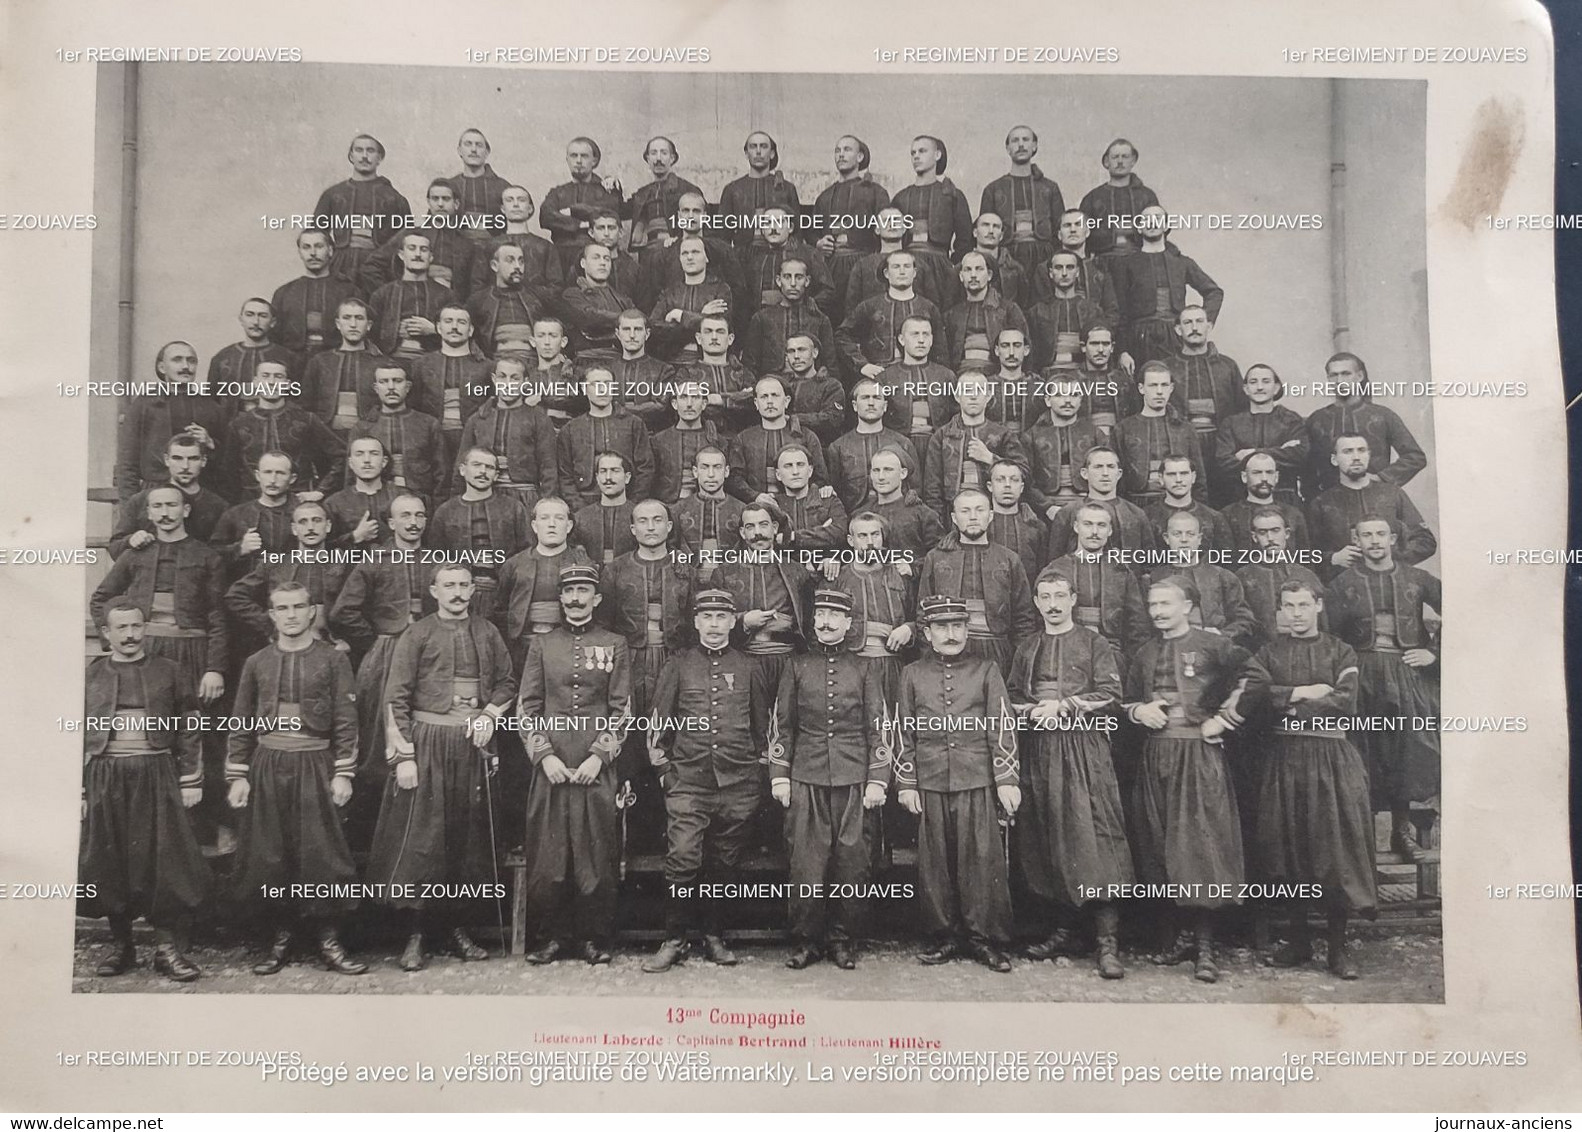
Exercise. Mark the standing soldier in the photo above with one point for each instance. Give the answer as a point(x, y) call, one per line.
point(1260, 476)
point(713, 778)
point(137, 853)
point(1328, 845)
point(405, 309)
point(260, 524)
point(1353, 412)
point(290, 779)
point(1115, 205)
point(1188, 688)
point(961, 452)
point(306, 308)
point(973, 326)
point(848, 212)
point(1222, 605)
point(768, 587)
point(481, 525)
point(1379, 607)
point(1208, 384)
point(363, 197)
point(1130, 528)
point(450, 682)
point(870, 337)
point(580, 676)
point(849, 455)
point(676, 448)
point(540, 263)
point(1333, 515)
point(452, 383)
point(1107, 597)
point(1027, 199)
point(1178, 479)
point(652, 205)
point(1072, 837)
point(478, 188)
point(710, 520)
point(1151, 289)
point(605, 428)
point(985, 577)
point(1154, 432)
point(603, 528)
point(764, 349)
point(1064, 316)
point(380, 599)
point(360, 512)
point(184, 463)
point(452, 248)
point(913, 527)
point(918, 389)
point(233, 368)
point(763, 185)
point(1272, 566)
point(338, 386)
point(528, 600)
point(1013, 523)
point(941, 228)
point(276, 425)
point(593, 305)
point(414, 441)
point(569, 208)
point(1264, 427)
point(503, 312)
point(883, 605)
point(519, 434)
point(955, 761)
point(829, 766)
point(1057, 448)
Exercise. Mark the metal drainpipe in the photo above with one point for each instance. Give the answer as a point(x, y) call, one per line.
point(1340, 314)
point(126, 304)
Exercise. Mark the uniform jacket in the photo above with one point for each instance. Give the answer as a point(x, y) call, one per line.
point(1272, 432)
point(198, 591)
point(752, 453)
point(1351, 611)
point(247, 600)
point(978, 748)
point(451, 250)
point(399, 299)
point(435, 373)
point(581, 673)
point(1222, 603)
point(1024, 533)
point(747, 196)
point(492, 307)
point(132, 515)
point(868, 334)
point(1042, 197)
point(330, 371)
point(827, 727)
point(1386, 433)
point(731, 692)
point(1101, 203)
point(1132, 275)
point(946, 458)
point(523, 438)
point(318, 456)
point(376, 601)
point(1114, 595)
point(540, 262)
point(1207, 377)
point(375, 197)
point(1330, 516)
point(147, 423)
point(423, 671)
point(1214, 526)
point(850, 454)
point(861, 196)
point(674, 450)
point(1086, 666)
point(584, 437)
point(940, 208)
point(1007, 596)
point(420, 442)
point(167, 696)
point(328, 708)
point(525, 573)
point(509, 529)
point(914, 526)
point(1178, 438)
point(997, 314)
point(1212, 675)
point(583, 198)
point(1049, 448)
point(625, 606)
point(1129, 526)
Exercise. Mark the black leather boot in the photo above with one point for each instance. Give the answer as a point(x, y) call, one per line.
point(720, 955)
point(123, 954)
point(1061, 941)
point(175, 966)
point(1205, 970)
point(334, 956)
point(671, 952)
point(412, 955)
point(1107, 920)
point(278, 956)
point(1340, 963)
point(463, 948)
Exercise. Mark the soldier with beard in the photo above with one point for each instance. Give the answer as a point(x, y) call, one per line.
point(1260, 476)
point(973, 326)
point(569, 208)
point(1057, 448)
point(578, 674)
point(762, 187)
point(1334, 514)
point(1353, 411)
point(306, 308)
point(1115, 205)
point(651, 206)
point(754, 452)
point(503, 313)
point(147, 422)
point(346, 209)
point(953, 774)
point(1071, 838)
point(768, 588)
point(829, 766)
point(1151, 288)
point(986, 577)
point(541, 272)
point(847, 214)
point(137, 852)
point(1208, 387)
point(449, 684)
point(518, 433)
point(290, 780)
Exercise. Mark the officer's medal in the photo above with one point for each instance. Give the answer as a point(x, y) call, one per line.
point(1188, 659)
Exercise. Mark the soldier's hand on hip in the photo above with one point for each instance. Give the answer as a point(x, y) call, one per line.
point(911, 801)
point(406, 774)
point(236, 796)
point(781, 789)
point(340, 790)
point(1010, 798)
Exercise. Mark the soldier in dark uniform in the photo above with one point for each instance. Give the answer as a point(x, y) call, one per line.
point(569, 208)
point(1029, 201)
point(829, 766)
point(1108, 598)
point(290, 780)
point(869, 338)
point(643, 384)
point(1101, 472)
point(379, 600)
point(973, 326)
point(727, 384)
point(763, 260)
point(1333, 515)
point(363, 197)
point(953, 773)
point(914, 526)
point(1071, 839)
point(1261, 581)
point(1151, 289)
point(185, 460)
point(306, 308)
point(259, 524)
point(941, 228)
point(1157, 430)
point(593, 306)
point(817, 399)
point(1115, 205)
point(551, 376)
point(1063, 317)
point(137, 851)
point(845, 236)
point(677, 447)
point(578, 674)
point(449, 684)
point(146, 423)
point(849, 455)
point(275, 425)
point(1107, 380)
point(1354, 412)
point(713, 779)
point(540, 262)
point(451, 249)
point(528, 600)
point(709, 518)
point(406, 308)
point(754, 451)
point(768, 586)
point(1017, 389)
point(338, 386)
point(1208, 388)
point(775, 324)
point(1264, 427)
point(867, 278)
point(1093, 276)
point(247, 599)
point(1260, 477)
point(682, 305)
point(883, 599)
point(605, 427)
point(603, 527)
point(651, 206)
point(918, 387)
point(815, 520)
point(503, 313)
point(1009, 278)
point(234, 368)
point(482, 526)
point(478, 188)
point(985, 577)
point(962, 450)
point(1012, 523)
point(452, 383)
point(1379, 607)
point(518, 433)
point(763, 185)
point(1221, 606)
point(1178, 481)
point(414, 441)
point(659, 263)
point(1057, 449)
point(1189, 687)
point(1315, 822)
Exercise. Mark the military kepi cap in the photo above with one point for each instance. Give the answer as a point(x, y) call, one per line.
point(838, 600)
point(939, 607)
point(714, 600)
point(579, 573)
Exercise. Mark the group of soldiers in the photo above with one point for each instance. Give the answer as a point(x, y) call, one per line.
point(927, 526)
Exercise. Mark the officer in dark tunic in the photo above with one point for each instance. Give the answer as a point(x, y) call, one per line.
point(1379, 607)
point(1189, 687)
point(955, 763)
point(142, 769)
point(580, 675)
point(290, 778)
point(1071, 838)
point(450, 682)
point(1315, 822)
point(713, 779)
point(829, 766)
